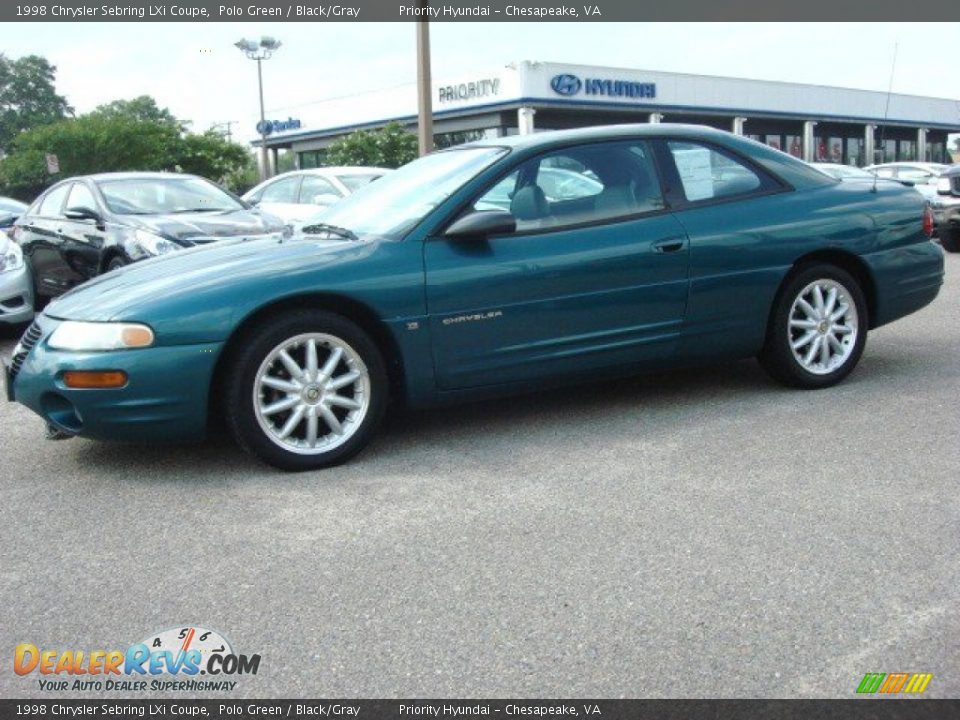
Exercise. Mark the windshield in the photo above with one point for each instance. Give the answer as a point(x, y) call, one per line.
point(162, 196)
point(355, 182)
point(399, 200)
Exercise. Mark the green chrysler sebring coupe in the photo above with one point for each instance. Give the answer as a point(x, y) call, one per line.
point(494, 267)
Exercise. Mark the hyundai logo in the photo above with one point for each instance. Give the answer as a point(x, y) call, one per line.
point(566, 84)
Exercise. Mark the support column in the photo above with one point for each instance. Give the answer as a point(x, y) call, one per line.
point(274, 161)
point(809, 141)
point(655, 118)
point(921, 144)
point(737, 126)
point(869, 144)
point(525, 120)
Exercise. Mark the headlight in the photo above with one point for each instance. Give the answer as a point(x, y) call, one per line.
point(943, 185)
point(12, 259)
point(83, 336)
point(150, 244)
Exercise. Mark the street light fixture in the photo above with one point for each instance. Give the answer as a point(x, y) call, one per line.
point(260, 51)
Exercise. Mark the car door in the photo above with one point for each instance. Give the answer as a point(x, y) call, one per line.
point(282, 197)
point(592, 279)
point(40, 239)
point(316, 193)
point(82, 240)
point(738, 219)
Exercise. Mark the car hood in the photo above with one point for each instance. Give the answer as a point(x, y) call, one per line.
point(190, 277)
point(208, 226)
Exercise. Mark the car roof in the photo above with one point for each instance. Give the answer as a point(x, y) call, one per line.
point(133, 176)
point(600, 132)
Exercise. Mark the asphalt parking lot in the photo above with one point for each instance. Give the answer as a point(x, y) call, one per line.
point(697, 533)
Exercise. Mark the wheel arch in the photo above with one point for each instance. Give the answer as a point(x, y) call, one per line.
point(360, 314)
point(848, 261)
point(109, 254)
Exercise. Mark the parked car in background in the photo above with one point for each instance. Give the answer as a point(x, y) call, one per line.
point(300, 194)
point(948, 190)
point(16, 294)
point(85, 226)
point(843, 172)
point(10, 210)
point(923, 177)
point(690, 245)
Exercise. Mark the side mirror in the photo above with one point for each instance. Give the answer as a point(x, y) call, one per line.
point(82, 213)
point(482, 223)
point(325, 199)
point(7, 219)
point(253, 202)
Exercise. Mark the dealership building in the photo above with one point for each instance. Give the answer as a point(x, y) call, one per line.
point(812, 122)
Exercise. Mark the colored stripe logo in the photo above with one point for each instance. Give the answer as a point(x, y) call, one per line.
point(892, 683)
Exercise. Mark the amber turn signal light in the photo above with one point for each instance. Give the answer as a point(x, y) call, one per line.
point(86, 379)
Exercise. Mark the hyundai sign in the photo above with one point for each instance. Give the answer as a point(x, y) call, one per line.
point(569, 85)
point(268, 127)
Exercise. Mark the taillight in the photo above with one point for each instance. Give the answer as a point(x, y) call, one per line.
point(927, 221)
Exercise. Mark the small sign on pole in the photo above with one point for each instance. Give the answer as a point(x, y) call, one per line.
point(53, 164)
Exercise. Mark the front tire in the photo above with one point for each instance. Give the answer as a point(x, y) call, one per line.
point(818, 328)
point(950, 239)
point(307, 390)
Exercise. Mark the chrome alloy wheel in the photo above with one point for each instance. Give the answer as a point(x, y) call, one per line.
point(311, 393)
point(822, 329)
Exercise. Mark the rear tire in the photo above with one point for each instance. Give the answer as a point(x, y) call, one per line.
point(950, 239)
point(306, 390)
point(818, 328)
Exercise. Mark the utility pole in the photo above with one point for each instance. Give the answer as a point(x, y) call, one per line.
point(424, 88)
point(260, 51)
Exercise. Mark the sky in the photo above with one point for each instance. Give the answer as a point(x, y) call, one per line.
point(194, 69)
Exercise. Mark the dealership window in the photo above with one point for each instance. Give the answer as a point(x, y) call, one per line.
point(907, 150)
point(793, 145)
point(706, 174)
point(774, 141)
point(592, 183)
point(854, 152)
point(889, 151)
point(310, 159)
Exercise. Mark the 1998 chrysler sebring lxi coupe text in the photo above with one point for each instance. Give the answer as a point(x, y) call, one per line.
point(681, 245)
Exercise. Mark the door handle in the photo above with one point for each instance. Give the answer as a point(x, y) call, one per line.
point(670, 245)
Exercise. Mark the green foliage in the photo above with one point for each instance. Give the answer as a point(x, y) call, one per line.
point(28, 98)
point(390, 147)
point(143, 108)
point(124, 135)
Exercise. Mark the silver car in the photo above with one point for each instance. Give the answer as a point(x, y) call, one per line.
point(924, 177)
point(16, 292)
point(299, 194)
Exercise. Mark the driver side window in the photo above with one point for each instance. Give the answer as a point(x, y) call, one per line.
point(578, 186)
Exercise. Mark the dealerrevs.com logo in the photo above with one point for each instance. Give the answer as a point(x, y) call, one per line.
point(170, 660)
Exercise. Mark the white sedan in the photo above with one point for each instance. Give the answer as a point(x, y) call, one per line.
point(299, 194)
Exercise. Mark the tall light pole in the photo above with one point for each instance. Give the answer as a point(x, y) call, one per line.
point(260, 51)
point(424, 89)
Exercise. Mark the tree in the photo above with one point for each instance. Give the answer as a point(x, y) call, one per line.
point(143, 108)
point(390, 147)
point(28, 98)
point(134, 135)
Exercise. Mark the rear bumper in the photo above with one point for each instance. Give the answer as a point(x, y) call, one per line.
point(165, 398)
point(907, 279)
point(16, 297)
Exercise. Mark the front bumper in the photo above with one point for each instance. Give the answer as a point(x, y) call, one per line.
point(165, 398)
point(16, 297)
